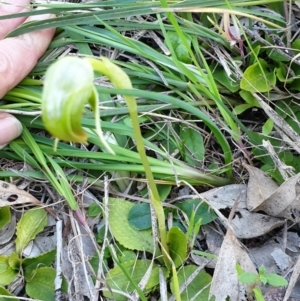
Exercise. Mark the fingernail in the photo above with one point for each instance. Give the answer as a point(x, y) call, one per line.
point(10, 128)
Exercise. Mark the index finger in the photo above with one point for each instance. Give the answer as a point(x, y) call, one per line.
point(12, 7)
point(19, 55)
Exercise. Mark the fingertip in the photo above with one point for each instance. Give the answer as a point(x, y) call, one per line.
point(10, 128)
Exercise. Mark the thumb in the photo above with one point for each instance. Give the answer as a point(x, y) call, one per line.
point(10, 128)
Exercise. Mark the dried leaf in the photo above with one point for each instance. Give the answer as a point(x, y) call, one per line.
point(284, 202)
point(249, 224)
point(225, 280)
point(226, 196)
point(293, 280)
point(282, 260)
point(11, 195)
point(260, 187)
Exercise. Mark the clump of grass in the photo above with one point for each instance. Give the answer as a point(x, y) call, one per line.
point(190, 69)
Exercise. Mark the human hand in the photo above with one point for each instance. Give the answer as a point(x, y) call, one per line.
point(18, 56)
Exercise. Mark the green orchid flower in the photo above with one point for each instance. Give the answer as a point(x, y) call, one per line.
point(68, 87)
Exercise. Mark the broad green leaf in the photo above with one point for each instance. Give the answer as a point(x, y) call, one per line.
point(257, 78)
point(248, 278)
point(268, 127)
point(41, 284)
point(200, 282)
point(5, 216)
point(275, 55)
point(7, 274)
point(139, 216)
point(4, 292)
point(221, 77)
point(193, 141)
point(249, 98)
point(276, 280)
point(204, 212)
point(31, 264)
point(14, 261)
point(281, 74)
point(30, 224)
point(116, 279)
point(181, 51)
point(127, 255)
point(177, 243)
point(239, 109)
point(94, 210)
point(164, 191)
point(254, 53)
point(123, 232)
point(296, 44)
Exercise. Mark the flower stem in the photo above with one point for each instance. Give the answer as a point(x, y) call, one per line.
point(121, 81)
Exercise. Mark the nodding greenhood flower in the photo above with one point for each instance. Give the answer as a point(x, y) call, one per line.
point(68, 86)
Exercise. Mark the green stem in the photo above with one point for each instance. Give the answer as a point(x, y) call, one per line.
point(120, 80)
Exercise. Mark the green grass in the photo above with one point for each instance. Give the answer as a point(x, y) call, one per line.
point(187, 99)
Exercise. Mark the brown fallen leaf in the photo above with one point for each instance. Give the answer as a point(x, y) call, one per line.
point(250, 224)
point(284, 202)
point(260, 187)
point(225, 281)
point(11, 195)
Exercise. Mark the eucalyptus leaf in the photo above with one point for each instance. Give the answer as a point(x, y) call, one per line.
point(30, 224)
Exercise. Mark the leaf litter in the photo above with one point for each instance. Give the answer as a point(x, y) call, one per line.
point(273, 205)
point(258, 208)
